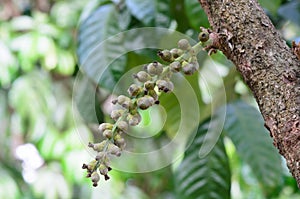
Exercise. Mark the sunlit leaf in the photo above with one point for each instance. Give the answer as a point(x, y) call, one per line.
point(9, 187)
point(244, 125)
point(202, 178)
point(66, 63)
point(50, 183)
point(8, 65)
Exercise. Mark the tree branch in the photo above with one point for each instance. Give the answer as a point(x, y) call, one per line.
point(271, 70)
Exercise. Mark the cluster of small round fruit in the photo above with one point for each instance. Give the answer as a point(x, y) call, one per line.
point(154, 79)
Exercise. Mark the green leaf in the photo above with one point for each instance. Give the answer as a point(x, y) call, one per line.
point(290, 11)
point(143, 10)
point(195, 14)
point(207, 177)
point(99, 56)
point(271, 6)
point(84, 96)
point(150, 12)
point(9, 187)
point(31, 98)
point(162, 16)
point(244, 125)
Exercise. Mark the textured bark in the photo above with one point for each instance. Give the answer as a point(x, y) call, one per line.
point(243, 32)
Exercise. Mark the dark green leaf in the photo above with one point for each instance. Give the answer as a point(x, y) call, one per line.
point(244, 125)
point(150, 12)
point(207, 177)
point(84, 97)
point(143, 10)
point(100, 57)
point(271, 6)
point(195, 14)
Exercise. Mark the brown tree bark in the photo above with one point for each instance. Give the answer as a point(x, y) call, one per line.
point(243, 32)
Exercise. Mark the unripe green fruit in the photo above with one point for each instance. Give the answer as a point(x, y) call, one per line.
point(176, 52)
point(184, 44)
point(116, 114)
point(203, 36)
point(155, 68)
point(121, 143)
point(175, 66)
point(104, 126)
point(149, 85)
point(123, 126)
point(134, 120)
point(103, 169)
point(142, 76)
point(91, 166)
point(165, 55)
point(114, 150)
point(165, 86)
point(153, 94)
point(145, 102)
point(189, 68)
point(108, 134)
point(134, 90)
point(100, 155)
point(98, 146)
point(122, 98)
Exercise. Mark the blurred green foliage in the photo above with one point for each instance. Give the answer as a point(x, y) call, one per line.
point(43, 141)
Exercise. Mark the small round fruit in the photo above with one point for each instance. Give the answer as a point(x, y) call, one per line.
point(145, 102)
point(155, 68)
point(175, 66)
point(184, 44)
point(142, 76)
point(165, 55)
point(134, 90)
point(176, 52)
point(203, 36)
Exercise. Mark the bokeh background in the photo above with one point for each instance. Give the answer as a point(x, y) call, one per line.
point(44, 48)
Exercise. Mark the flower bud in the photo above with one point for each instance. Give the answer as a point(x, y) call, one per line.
point(153, 94)
point(121, 143)
point(91, 166)
point(116, 114)
point(165, 55)
point(123, 126)
point(184, 44)
point(134, 120)
point(149, 85)
point(95, 178)
point(122, 98)
point(98, 146)
point(165, 86)
point(190, 68)
point(114, 150)
point(100, 155)
point(175, 66)
point(145, 102)
point(142, 76)
point(104, 126)
point(103, 169)
point(134, 90)
point(155, 68)
point(108, 134)
point(176, 52)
